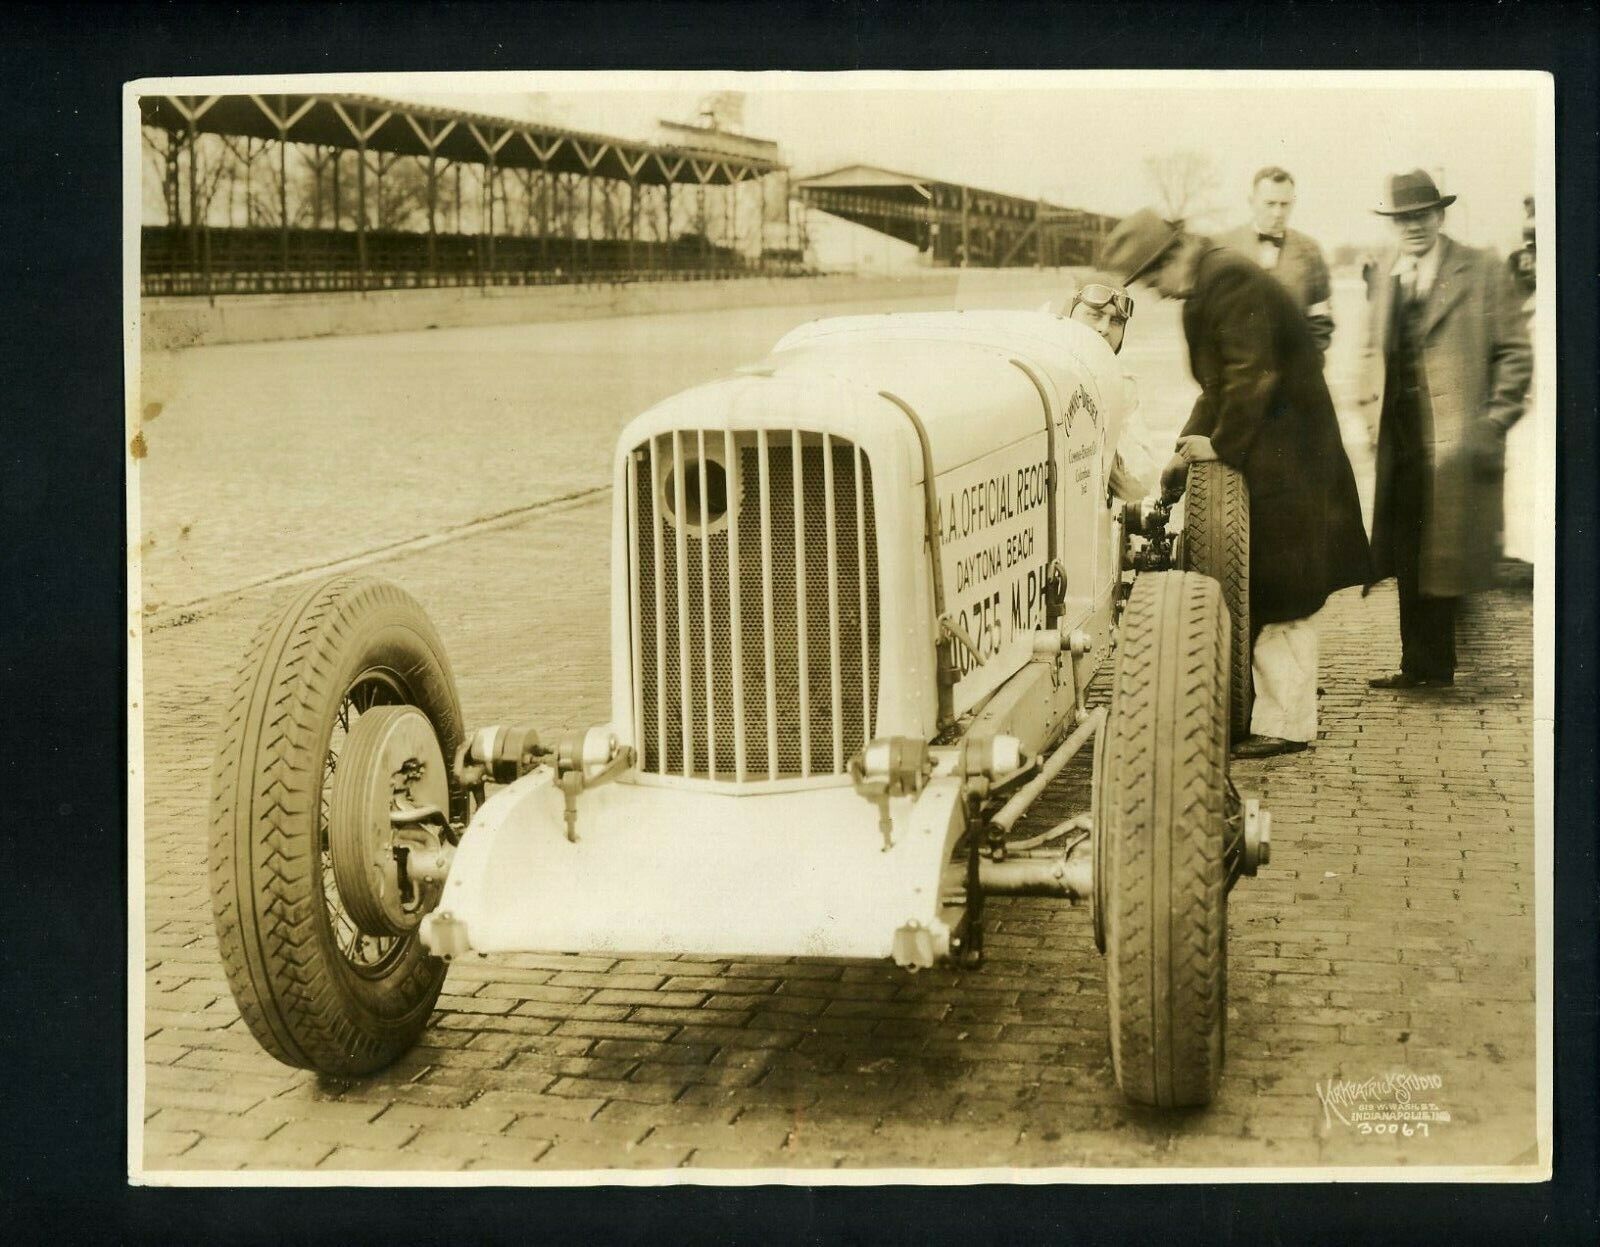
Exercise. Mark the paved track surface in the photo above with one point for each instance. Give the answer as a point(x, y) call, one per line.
point(1393, 932)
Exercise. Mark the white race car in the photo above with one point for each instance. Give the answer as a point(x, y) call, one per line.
point(858, 592)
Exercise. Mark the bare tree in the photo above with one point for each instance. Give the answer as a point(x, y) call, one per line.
point(610, 212)
point(400, 194)
point(190, 172)
point(1184, 182)
point(163, 154)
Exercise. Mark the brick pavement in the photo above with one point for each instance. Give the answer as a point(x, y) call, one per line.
point(1393, 931)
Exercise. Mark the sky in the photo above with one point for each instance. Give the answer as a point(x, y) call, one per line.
point(1083, 139)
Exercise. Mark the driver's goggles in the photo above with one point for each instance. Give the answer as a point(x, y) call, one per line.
point(1098, 296)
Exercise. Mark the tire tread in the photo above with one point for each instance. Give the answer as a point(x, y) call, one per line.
point(1216, 543)
point(267, 775)
point(1164, 777)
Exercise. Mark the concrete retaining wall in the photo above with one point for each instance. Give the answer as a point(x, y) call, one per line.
point(168, 324)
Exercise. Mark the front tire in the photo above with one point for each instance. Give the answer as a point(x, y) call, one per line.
point(1163, 789)
point(315, 990)
point(1216, 543)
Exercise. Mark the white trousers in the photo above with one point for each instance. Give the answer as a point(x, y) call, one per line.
point(1284, 665)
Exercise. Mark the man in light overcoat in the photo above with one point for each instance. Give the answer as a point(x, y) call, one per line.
point(1446, 368)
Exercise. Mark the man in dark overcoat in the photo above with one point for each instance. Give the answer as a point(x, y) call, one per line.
point(1264, 409)
point(1447, 367)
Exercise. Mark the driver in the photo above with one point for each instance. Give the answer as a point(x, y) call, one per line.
point(1105, 305)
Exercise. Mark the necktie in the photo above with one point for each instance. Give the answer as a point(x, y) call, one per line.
point(1275, 239)
point(1407, 272)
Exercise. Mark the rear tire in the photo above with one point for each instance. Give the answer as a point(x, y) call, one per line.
point(1163, 789)
point(1216, 543)
point(314, 990)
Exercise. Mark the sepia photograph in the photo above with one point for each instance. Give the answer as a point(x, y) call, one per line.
point(840, 627)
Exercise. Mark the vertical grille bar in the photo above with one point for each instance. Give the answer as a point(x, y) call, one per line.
point(801, 648)
point(867, 664)
point(660, 621)
point(705, 605)
point(766, 604)
point(635, 624)
point(718, 617)
point(836, 694)
point(735, 487)
point(681, 553)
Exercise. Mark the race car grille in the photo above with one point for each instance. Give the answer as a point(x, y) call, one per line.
point(753, 584)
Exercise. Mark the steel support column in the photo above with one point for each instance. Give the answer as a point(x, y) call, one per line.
point(431, 137)
point(199, 215)
point(317, 161)
point(570, 222)
point(544, 216)
point(433, 217)
point(172, 180)
point(194, 195)
point(362, 132)
point(491, 153)
point(965, 233)
point(488, 192)
point(633, 216)
point(283, 187)
point(361, 201)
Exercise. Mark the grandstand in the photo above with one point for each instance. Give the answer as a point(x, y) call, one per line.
point(291, 193)
point(955, 225)
point(257, 193)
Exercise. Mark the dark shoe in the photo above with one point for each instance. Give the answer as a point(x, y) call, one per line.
point(1267, 747)
point(1401, 679)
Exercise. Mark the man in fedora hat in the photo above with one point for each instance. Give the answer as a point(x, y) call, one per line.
point(1447, 366)
point(1290, 256)
point(1264, 409)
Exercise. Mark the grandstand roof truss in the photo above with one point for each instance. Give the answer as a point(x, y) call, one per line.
point(370, 123)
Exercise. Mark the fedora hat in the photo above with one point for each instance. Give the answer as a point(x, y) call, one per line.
point(1137, 242)
point(1412, 192)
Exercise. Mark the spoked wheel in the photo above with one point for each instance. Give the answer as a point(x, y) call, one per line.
point(318, 980)
point(368, 951)
point(1216, 543)
point(1162, 827)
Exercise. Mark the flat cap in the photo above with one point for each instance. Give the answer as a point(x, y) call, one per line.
point(1137, 242)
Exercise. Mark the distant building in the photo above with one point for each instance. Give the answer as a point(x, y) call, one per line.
point(713, 141)
point(954, 225)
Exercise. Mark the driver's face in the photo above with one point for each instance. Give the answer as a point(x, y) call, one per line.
point(1104, 321)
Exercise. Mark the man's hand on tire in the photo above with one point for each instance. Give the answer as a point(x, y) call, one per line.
point(1173, 477)
point(1191, 449)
